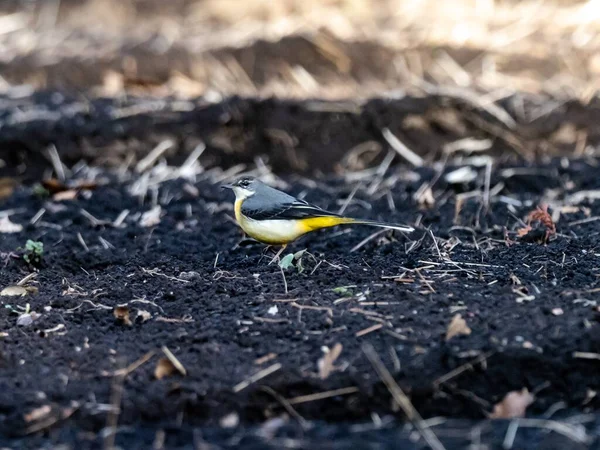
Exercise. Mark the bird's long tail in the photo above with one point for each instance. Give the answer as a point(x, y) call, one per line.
point(389, 226)
point(315, 223)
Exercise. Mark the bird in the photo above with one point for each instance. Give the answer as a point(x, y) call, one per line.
point(273, 217)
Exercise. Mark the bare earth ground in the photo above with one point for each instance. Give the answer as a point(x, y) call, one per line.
point(250, 337)
point(116, 127)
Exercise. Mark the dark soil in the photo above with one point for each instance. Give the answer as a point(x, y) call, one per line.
point(224, 313)
point(309, 137)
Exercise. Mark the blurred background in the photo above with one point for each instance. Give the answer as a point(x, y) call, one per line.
point(330, 49)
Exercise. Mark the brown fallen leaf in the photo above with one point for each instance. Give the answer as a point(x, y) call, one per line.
point(513, 405)
point(176, 363)
point(524, 231)
point(7, 186)
point(168, 366)
point(55, 186)
point(458, 326)
point(325, 364)
point(121, 313)
point(538, 220)
point(164, 368)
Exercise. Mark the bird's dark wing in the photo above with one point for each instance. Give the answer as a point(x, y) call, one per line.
point(288, 210)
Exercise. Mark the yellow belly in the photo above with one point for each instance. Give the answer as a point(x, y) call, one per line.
point(279, 232)
point(273, 232)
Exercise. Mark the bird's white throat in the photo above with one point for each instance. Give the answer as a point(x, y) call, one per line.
point(241, 193)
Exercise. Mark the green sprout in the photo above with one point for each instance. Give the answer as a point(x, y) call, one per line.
point(293, 260)
point(34, 251)
point(344, 291)
point(18, 310)
point(287, 261)
point(40, 191)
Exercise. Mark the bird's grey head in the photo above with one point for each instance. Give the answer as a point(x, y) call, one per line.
point(243, 187)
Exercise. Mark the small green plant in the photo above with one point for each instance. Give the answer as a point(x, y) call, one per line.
point(344, 291)
point(18, 310)
point(294, 260)
point(34, 251)
point(40, 191)
point(287, 261)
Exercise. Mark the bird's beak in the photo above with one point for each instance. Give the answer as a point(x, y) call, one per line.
point(226, 186)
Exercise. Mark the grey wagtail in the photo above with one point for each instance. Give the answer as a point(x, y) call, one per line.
point(275, 218)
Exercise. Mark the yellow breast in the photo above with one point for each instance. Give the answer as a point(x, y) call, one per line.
point(237, 208)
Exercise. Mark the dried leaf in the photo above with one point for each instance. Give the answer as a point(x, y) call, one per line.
point(6, 226)
point(69, 194)
point(14, 291)
point(513, 405)
point(38, 413)
point(164, 368)
point(326, 363)
point(55, 186)
point(7, 186)
point(540, 220)
point(458, 326)
point(121, 313)
point(151, 218)
point(523, 231)
point(168, 366)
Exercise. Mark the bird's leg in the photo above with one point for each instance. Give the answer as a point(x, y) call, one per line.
point(264, 253)
point(278, 253)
